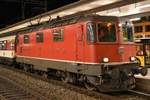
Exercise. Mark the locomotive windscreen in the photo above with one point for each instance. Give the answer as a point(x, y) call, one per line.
point(106, 32)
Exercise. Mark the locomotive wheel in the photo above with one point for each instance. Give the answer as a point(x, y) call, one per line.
point(25, 68)
point(44, 75)
point(65, 77)
point(89, 86)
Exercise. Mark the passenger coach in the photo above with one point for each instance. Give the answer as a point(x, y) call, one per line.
point(7, 52)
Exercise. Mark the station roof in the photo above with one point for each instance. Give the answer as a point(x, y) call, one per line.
point(102, 7)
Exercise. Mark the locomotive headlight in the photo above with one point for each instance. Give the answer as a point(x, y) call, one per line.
point(105, 60)
point(132, 58)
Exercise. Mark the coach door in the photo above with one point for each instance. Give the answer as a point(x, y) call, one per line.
point(80, 44)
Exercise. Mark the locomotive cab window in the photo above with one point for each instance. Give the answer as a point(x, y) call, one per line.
point(127, 32)
point(91, 32)
point(106, 32)
point(26, 39)
point(58, 35)
point(39, 37)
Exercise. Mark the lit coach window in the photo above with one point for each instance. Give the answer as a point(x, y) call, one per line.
point(3, 45)
point(138, 29)
point(39, 37)
point(147, 28)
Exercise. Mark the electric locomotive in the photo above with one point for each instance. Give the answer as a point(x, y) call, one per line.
point(89, 49)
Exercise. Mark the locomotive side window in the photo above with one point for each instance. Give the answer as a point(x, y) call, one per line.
point(58, 35)
point(90, 32)
point(106, 32)
point(39, 37)
point(26, 39)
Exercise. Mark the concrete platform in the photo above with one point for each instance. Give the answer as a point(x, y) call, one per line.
point(143, 82)
point(144, 77)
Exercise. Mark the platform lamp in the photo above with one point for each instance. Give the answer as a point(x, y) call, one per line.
point(141, 6)
point(109, 12)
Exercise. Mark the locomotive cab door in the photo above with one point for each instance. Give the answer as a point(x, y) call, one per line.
point(80, 44)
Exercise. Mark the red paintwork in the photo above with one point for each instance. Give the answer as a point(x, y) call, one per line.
point(8, 45)
point(74, 47)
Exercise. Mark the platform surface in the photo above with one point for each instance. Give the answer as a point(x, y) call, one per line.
point(144, 77)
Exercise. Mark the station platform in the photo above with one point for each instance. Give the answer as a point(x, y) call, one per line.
point(144, 77)
point(143, 82)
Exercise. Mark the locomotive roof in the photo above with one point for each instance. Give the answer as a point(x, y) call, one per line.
point(62, 22)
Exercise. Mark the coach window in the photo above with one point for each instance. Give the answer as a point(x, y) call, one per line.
point(58, 35)
point(3, 45)
point(12, 44)
point(39, 37)
point(0, 45)
point(138, 29)
point(91, 32)
point(26, 39)
point(147, 28)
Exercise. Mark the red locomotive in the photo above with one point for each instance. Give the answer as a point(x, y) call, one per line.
point(88, 49)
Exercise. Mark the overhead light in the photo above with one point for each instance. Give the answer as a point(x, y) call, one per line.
point(143, 6)
point(113, 13)
point(135, 19)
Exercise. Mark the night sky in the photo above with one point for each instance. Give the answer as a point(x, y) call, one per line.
point(11, 10)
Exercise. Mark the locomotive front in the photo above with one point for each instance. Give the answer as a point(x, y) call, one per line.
point(115, 52)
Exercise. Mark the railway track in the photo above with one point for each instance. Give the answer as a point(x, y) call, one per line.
point(146, 95)
point(131, 95)
point(94, 94)
point(11, 91)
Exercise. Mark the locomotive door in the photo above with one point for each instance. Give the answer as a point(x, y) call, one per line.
point(80, 43)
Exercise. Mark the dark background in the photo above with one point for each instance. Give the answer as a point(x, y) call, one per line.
point(12, 11)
